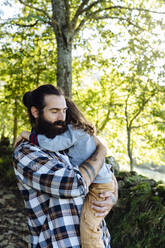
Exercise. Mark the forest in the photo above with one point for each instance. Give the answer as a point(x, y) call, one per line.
point(108, 56)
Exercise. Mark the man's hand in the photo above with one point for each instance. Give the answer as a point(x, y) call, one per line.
point(23, 135)
point(103, 207)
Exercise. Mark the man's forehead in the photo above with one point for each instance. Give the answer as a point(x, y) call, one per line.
point(54, 101)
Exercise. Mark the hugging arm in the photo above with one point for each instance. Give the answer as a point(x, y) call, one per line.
point(90, 168)
point(36, 169)
point(103, 207)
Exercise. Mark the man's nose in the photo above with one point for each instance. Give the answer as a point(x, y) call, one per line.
point(61, 116)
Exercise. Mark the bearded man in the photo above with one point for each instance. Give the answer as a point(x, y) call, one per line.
point(53, 189)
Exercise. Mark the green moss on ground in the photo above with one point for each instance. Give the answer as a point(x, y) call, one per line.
point(138, 219)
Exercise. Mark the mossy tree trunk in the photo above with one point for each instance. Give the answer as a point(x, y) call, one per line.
point(15, 122)
point(64, 36)
point(129, 148)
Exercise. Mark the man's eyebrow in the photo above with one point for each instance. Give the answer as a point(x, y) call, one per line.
point(58, 108)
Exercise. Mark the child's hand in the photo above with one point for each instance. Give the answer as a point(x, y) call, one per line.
point(23, 135)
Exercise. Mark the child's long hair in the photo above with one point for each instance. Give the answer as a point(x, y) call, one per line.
point(76, 118)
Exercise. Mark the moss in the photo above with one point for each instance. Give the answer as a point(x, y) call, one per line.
point(160, 190)
point(138, 220)
point(141, 188)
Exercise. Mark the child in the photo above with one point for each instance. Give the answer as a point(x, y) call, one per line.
point(80, 145)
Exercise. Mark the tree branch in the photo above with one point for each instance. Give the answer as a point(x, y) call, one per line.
point(89, 7)
point(93, 14)
point(104, 17)
point(141, 108)
point(107, 118)
point(127, 8)
point(126, 110)
point(79, 27)
point(119, 18)
point(147, 124)
point(105, 121)
point(78, 12)
point(26, 25)
point(37, 9)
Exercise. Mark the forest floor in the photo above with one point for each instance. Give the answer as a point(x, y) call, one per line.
point(13, 222)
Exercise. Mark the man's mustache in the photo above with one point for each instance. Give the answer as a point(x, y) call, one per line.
point(61, 123)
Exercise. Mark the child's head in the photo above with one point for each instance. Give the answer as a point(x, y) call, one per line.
point(76, 118)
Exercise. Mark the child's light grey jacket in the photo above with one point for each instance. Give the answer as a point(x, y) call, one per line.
point(80, 147)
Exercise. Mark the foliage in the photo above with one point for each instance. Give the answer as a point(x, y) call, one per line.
point(122, 107)
point(67, 18)
point(138, 220)
point(24, 67)
point(116, 69)
point(6, 168)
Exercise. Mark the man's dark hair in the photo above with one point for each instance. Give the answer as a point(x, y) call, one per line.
point(36, 98)
point(74, 115)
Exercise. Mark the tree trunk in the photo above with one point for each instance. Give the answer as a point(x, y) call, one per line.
point(129, 148)
point(3, 128)
point(64, 66)
point(15, 126)
point(64, 37)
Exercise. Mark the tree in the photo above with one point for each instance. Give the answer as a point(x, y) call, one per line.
point(110, 100)
point(125, 106)
point(26, 63)
point(67, 18)
point(134, 108)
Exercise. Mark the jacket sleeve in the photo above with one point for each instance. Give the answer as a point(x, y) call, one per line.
point(36, 169)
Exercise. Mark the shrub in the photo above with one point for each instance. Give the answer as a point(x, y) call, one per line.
point(6, 168)
point(138, 219)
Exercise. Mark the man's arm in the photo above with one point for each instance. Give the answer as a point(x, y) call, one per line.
point(90, 168)
point(103, 207)
point(38, 170)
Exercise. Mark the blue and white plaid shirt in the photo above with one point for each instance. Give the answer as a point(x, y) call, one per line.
point(53, 192)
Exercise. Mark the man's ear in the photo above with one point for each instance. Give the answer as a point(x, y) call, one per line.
point(34, 112)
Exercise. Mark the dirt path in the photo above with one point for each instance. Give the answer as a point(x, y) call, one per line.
point(13, 222)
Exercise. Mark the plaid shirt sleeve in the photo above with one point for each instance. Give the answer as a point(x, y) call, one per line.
point(37, 169)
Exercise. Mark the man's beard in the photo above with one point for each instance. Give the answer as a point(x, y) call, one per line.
point(49, 129)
